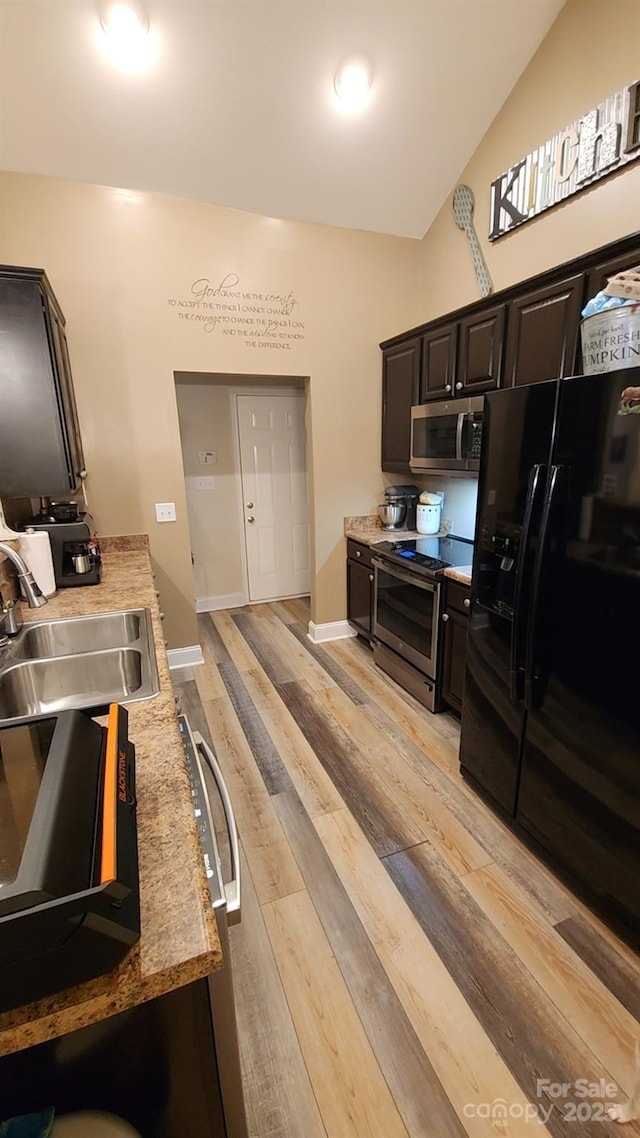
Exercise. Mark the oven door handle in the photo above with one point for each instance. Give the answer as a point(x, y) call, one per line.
point(231, 888)
point(410, 578)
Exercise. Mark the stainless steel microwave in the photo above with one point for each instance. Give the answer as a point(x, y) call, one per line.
point(447, 436)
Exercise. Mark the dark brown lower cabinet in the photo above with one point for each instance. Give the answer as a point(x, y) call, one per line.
point(455, 620)
point(360, 588)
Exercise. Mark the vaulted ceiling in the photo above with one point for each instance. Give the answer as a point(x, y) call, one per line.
point(237, 107)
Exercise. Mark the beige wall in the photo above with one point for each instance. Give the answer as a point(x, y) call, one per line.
point(204, 412)
point(590, 52)
point(115, 260)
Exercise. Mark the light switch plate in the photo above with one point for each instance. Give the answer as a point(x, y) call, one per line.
point(205, 483)
point(165, 511)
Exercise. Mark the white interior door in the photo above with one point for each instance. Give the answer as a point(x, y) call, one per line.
point(274, 494)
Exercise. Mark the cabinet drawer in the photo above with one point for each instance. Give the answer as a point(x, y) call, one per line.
point(456, 595)
point(359, 552)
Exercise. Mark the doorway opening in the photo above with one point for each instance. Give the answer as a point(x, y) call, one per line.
point(244, 451)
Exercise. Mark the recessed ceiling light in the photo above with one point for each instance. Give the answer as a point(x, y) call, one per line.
point(125, 33)
point(352, 82)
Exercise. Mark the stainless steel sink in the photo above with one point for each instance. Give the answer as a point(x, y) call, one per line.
point(77, 634)
point(78, 662)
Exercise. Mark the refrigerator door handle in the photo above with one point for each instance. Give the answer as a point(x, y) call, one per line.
point(522, 594)
point(535, 677)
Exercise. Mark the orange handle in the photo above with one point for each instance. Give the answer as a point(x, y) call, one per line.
point(108, 858)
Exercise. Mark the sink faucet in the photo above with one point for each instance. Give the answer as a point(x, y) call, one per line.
point(10, 621)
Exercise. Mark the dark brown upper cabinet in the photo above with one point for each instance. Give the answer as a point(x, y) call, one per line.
point(400, 383)
point(40, 445)
point(439, 352)
point(600, 274)
point(542, 332)
point(480, 351)
point(523, 334)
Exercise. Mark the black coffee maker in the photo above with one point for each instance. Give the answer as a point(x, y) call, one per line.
point(74, 548)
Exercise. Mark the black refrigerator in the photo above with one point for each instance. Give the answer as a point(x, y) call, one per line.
point(551, 716)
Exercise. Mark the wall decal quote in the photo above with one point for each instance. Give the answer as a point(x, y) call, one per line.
point(257, 319)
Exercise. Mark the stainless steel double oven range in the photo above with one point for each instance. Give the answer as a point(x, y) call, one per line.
point(407, 610)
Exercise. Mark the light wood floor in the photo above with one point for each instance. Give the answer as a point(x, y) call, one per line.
point(404, 966)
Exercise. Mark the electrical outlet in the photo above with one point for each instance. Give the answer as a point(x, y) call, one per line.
point(205, 483)
point(165, 511)
point(445, 525)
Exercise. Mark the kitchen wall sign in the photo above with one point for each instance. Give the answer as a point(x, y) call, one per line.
point(594, 146)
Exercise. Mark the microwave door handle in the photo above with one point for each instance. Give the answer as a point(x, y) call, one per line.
point(231, 888)
point(459, 429)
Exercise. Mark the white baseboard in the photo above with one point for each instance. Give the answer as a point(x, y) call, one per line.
point(222, 601)
point(185, 657)
point(332, 630)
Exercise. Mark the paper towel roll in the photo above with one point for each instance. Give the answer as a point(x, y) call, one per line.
point(35, 548)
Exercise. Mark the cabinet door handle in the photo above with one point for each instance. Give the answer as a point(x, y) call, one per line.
point(358, 553)
point(447, 387)
point(467, 603)
point(459, 386)
point(371, 576)
point(445, 616)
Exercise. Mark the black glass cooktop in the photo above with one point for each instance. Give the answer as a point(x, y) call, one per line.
point(429, 555)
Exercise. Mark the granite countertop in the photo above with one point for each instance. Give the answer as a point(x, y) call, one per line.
point(461, 573)
point(368, 529)
point(179, 940)
point(375, 534)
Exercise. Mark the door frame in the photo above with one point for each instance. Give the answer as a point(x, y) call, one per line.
point(278, 389)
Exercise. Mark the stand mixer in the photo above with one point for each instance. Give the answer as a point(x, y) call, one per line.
point(398, 511)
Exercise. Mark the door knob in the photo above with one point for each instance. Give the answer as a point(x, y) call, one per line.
point(445, 616)
point(458, 386)
point(249, 505)
point(251, 520)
